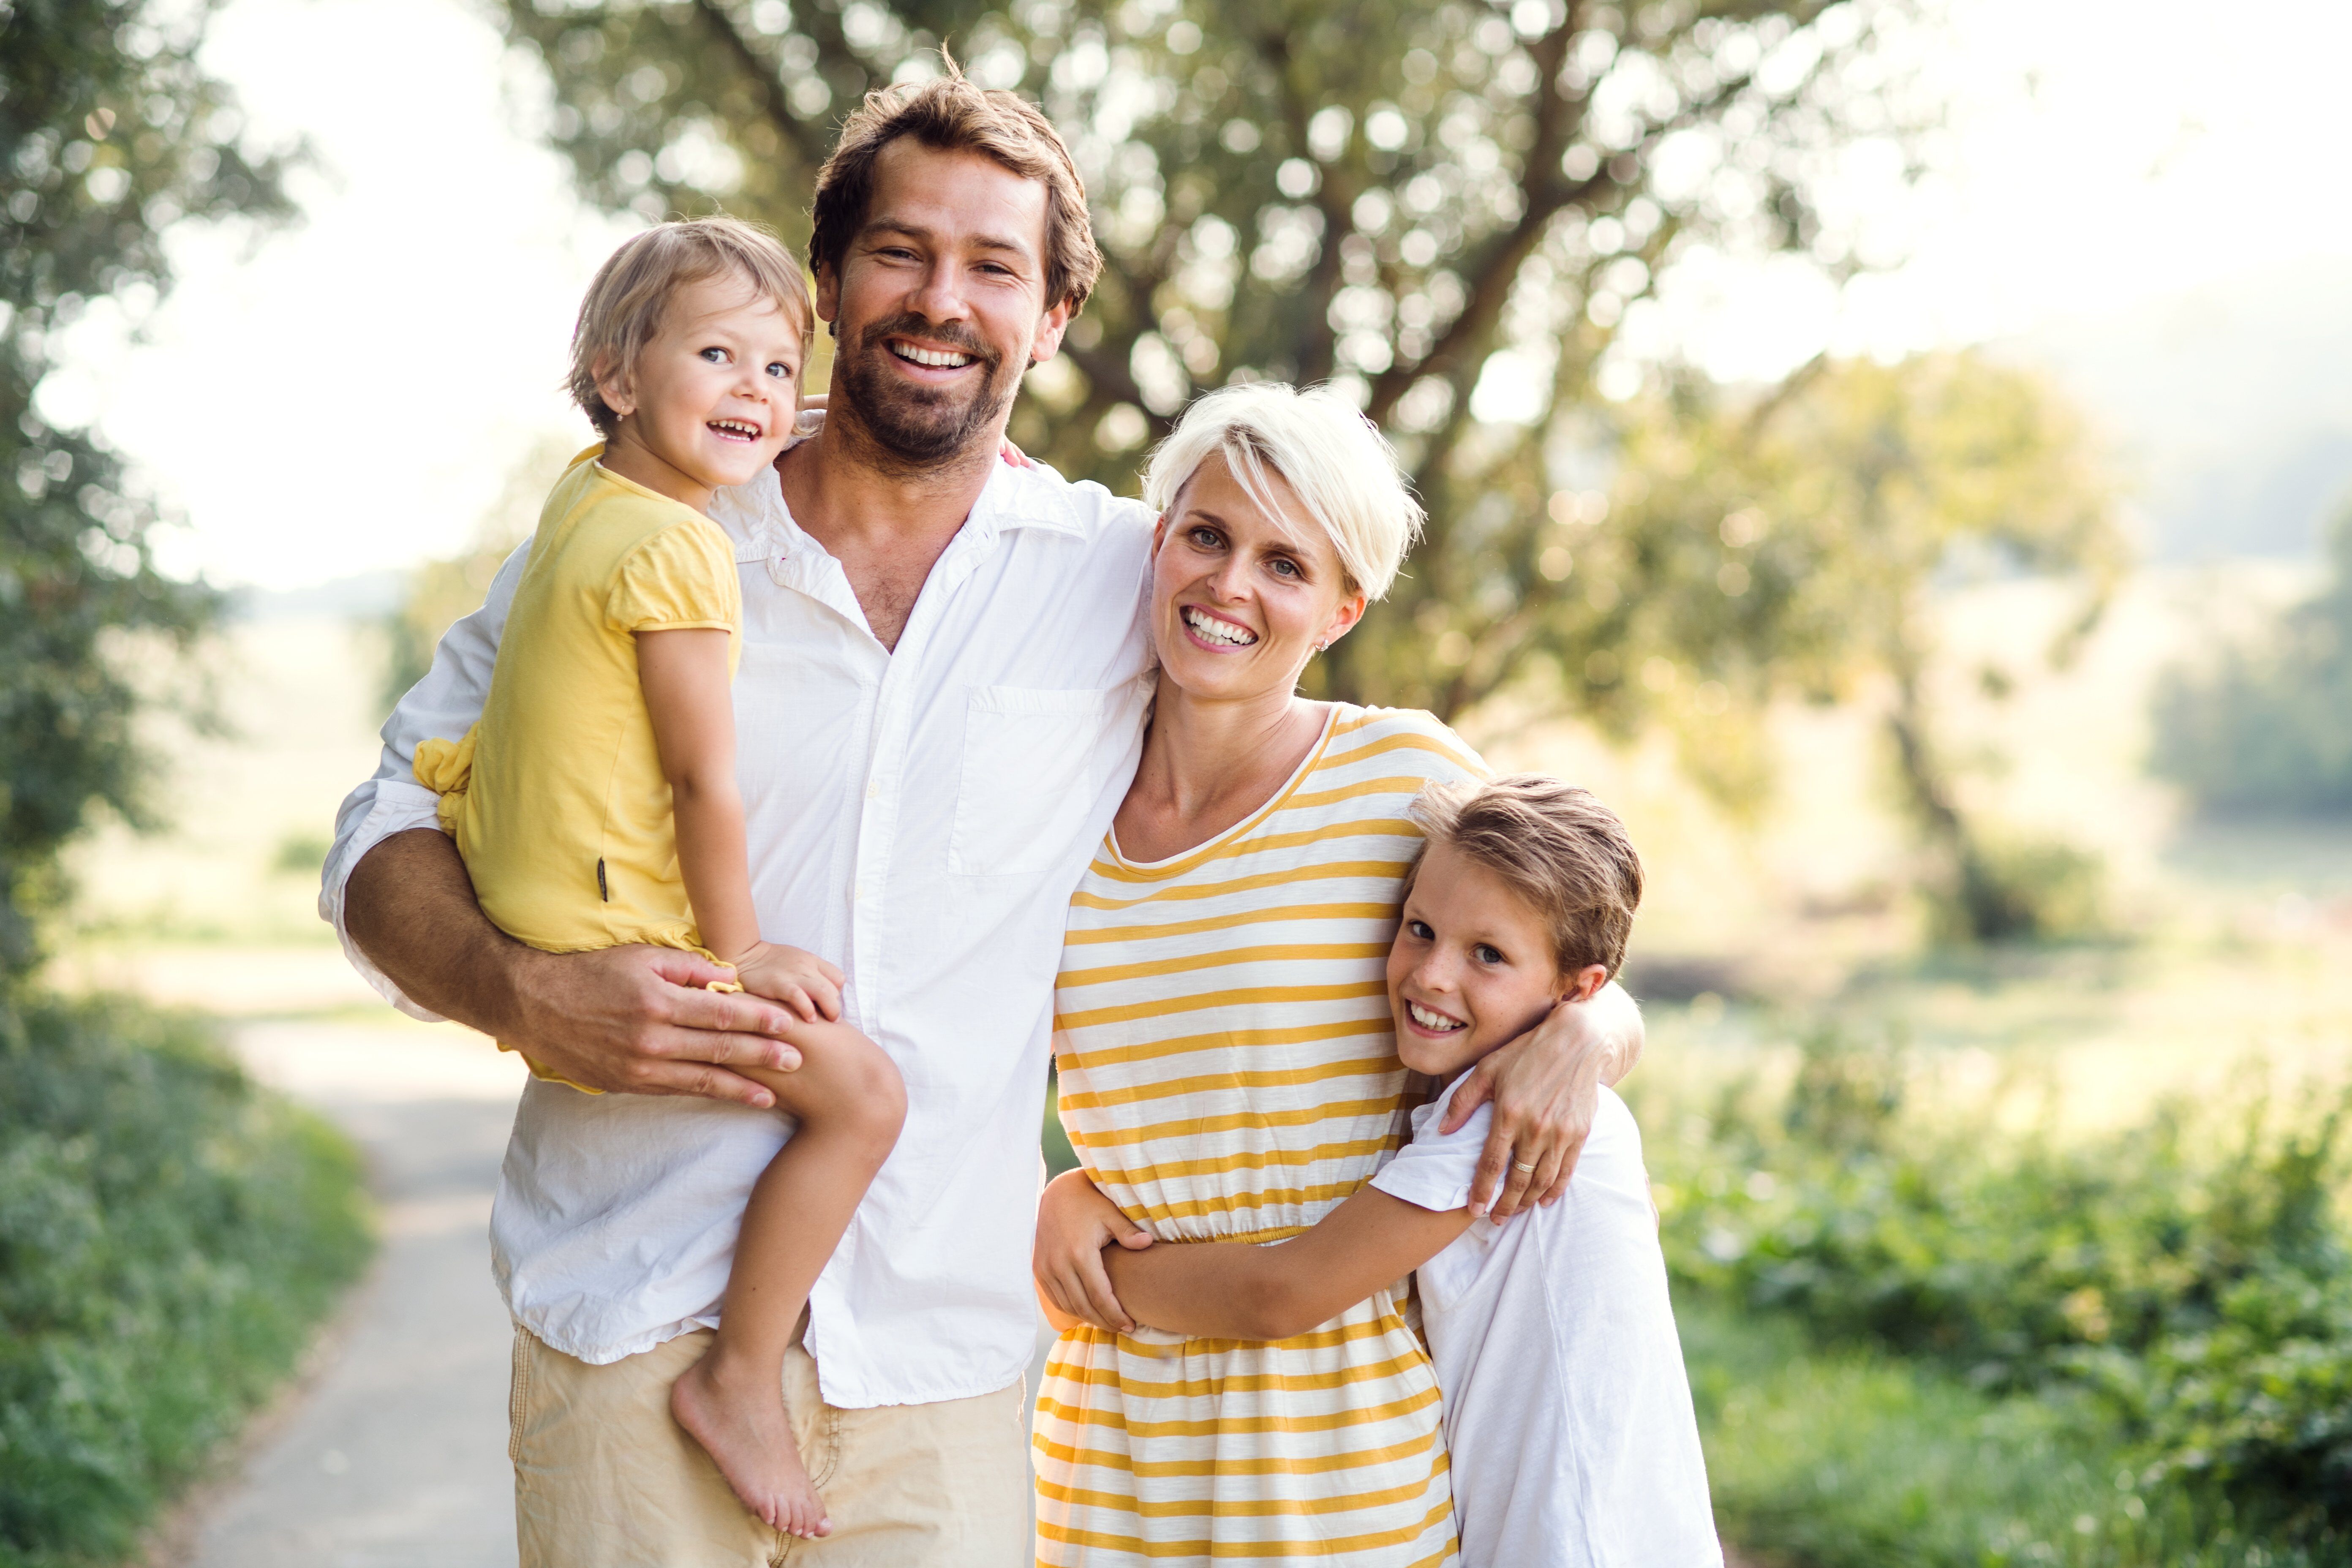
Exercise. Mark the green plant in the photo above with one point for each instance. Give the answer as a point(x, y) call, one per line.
point(169, 1235)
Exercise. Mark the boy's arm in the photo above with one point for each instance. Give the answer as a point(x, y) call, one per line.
point(689, 697)
point(1241, 1292)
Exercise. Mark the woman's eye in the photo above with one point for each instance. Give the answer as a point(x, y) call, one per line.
point(1206, 538)
point(1285, 568)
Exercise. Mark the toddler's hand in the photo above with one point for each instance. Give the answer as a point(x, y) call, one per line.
point(1074, 1223)
point(801, 981)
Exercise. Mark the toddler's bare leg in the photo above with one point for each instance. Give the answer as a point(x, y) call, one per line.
point(848, 1099)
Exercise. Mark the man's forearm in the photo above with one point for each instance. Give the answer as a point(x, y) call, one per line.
point(411, 908)
point(1623, 1028)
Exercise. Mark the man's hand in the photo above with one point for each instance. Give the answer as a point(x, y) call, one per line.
point(1074, 1223)
point(1545, 1087)
point(634, 1020)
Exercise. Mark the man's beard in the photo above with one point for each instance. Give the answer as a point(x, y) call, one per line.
point(920, 425)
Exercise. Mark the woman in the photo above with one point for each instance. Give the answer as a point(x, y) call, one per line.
point(1227, 1069)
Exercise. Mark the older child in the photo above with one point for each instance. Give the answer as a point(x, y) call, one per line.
point(1567, 1414)
point(595, 804)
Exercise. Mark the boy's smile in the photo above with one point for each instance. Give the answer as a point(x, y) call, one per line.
point(1472, 967)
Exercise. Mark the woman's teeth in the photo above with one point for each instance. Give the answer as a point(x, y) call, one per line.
point(1215, 630)
point(736, 429)
point(1437, 1022)
point(945, 358)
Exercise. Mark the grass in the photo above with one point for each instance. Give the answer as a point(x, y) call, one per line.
point(169, 1237)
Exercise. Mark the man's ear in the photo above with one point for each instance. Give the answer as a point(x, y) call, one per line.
point(1047, 341)
point(828, 297)
point(1584, 984)
point(614, 386)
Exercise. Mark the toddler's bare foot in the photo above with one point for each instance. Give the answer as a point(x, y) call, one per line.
point(741, 1423)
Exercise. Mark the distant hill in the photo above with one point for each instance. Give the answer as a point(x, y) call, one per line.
point(2233, 406)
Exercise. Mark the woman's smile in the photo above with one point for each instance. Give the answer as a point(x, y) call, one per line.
point(1215, 631)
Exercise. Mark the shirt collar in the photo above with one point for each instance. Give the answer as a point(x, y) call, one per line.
point(755, 516)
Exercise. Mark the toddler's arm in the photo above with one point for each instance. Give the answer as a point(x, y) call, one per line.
point(688, 693)
point(1239, 1291)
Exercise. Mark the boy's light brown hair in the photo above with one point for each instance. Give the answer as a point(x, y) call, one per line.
point(1555, 845)
point(953, 114)
point(624, 308)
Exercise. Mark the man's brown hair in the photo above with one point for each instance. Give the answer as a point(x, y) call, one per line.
point(953, 114)
point(626, 300)
point(1555, 845)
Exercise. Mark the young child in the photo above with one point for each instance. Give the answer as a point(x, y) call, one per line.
point(595, 802)
point(1567, 1414)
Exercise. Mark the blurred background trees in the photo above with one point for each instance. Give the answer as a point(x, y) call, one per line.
point(2264, 724)
point(110, 133)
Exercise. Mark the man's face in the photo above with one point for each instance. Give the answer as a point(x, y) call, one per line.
point(940, 302)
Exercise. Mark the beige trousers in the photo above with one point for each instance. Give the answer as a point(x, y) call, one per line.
point(605, 1479)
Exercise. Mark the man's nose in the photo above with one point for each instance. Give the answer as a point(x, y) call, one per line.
point(939, 296)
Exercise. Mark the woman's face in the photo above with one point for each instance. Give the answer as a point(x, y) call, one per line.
point(1240, 598)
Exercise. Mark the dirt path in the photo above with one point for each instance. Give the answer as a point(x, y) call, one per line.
point(393, 1455)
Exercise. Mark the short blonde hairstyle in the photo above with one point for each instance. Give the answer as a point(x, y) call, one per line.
point(1342, 469)
point(1555, 845)
point(625, 302)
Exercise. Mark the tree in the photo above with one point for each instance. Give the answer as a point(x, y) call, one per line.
point(2262, 726)
point(1826, 513)
point(1438, 203)
point(109, 134)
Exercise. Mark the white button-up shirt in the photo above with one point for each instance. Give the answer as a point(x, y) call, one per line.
point(919, 816)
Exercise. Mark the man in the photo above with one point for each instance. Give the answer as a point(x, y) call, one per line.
point(940, 704)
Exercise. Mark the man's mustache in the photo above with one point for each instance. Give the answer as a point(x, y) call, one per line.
point(959, 337)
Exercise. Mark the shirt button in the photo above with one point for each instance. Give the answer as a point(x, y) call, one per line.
point(874, 789)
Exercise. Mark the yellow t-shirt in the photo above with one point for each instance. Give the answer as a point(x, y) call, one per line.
point(556, 797)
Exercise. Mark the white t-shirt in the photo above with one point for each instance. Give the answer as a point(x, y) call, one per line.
point(1568, 1413)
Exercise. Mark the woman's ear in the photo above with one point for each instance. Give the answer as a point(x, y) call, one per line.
point(1343, 620)
point(1582, 985)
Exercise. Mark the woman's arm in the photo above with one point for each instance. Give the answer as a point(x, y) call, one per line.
point(1545, 1085)
point(689, 697)
point(1240, 1291)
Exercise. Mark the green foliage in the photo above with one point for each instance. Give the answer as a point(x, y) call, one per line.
point(168, 1237)
point(2261, 728)
point(2188, 1284)
point(109, 134)
point(1488, 193)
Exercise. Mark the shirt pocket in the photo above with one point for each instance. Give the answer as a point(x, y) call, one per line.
point(1032, 769)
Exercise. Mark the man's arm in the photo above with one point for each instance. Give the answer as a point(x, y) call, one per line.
point(634, 1019)
point(1241, 1292)
point(1545, 1085)
point(397, 894)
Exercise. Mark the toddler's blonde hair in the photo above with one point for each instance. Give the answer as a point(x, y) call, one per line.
point(624, 303)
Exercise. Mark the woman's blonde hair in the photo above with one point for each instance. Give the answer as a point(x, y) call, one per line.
point(1555, 845)
point(1342, 469)
point(624, 308)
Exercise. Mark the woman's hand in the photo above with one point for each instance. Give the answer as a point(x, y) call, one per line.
point(1545, 1087)
point(1074, 1223)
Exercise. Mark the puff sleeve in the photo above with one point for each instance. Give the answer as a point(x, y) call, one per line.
point(681, 578)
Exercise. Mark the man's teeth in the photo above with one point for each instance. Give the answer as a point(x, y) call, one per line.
point(1215, 630)
point(1429, 1020)
point(750, 432)
point(944, 358)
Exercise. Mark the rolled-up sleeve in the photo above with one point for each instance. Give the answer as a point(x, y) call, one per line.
point(444, 704)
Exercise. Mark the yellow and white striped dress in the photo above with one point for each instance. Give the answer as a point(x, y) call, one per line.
point(1228, 1073)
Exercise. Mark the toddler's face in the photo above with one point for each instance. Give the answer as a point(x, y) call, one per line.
point(1471, 966)
point(714, 393)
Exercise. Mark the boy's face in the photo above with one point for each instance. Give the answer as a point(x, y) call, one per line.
point(714, 395)
point(1472, 967)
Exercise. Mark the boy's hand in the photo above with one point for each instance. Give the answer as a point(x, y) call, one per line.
point(800, 979)
point(1074, 1223)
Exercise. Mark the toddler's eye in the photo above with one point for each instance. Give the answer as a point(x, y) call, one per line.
point(715, 355)
point(1488, 953)
point(780, 370)
point(1419, 929)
